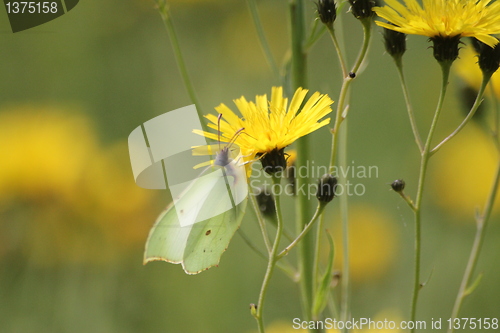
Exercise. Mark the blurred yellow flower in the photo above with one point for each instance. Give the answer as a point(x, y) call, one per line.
point(373, 242)
point(463, 172)
point(44, 152)
point(63, 197)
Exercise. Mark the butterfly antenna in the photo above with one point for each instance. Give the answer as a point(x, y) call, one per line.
point(249, 135)
point(235, 136)
point(219, 117)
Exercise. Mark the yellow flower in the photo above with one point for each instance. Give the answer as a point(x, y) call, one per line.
point(44, 152)
point(270, 126)
point(63, 197)
point(462, 178)
point(444, 18)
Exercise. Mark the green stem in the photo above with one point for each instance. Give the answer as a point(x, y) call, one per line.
point(342, 62)
point(273, 258)
point(345, 281)
point(262, 38)
point(167, 20)
point(408, 200)
point(304, 232)
point(481, 224)
point(471, 113)
point(367, 32)
point(340, 49)
point(262, 222)
point(411, 115)
point(340, 116)
point(445, 67)
point(315, 34)
point(306, 248)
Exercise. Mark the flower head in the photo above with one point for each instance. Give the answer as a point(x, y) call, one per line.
point(269, 126)
point(362, 9)
point(395, 43)
point(327, 11)
point(444, 18)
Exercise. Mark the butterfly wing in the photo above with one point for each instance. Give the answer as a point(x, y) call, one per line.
point(197, 229)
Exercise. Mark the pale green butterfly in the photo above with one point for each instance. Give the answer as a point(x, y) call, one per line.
point(197, 227)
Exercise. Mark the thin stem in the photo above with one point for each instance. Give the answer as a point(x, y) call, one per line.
point(315, 35)
point(408, 200)
point(445, 67)
point(339, 116)
point(304, 232)
point(339, 51)
point(317, 252)
point(409, 108)
point(471, 114)
point(262, 38)
point(367, 32)
point(262, 223)
point(272, 260)
point(481, 223)
point(167, 20)
point(345, 281)
point(496, 113)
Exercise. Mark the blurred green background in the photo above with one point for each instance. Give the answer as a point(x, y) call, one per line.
point(73, 223)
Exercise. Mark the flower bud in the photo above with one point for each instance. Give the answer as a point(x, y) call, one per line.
point(326, 188)
point(398, 185)
point(395, 43)
point(273, 161)
point(362, 9)
point(265, 201)
point(445, 48)
point(253, 309)
point(489, 58)
point(327, 11)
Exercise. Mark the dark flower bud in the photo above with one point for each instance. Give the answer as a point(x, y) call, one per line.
point(265, 201)
point(395, 43)
point(398, 185)
point(445, 48)
point(327, 11)
point(362, 9)
point(489, 58)
point(326, 188)
point(273, 161)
